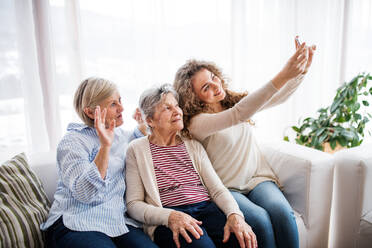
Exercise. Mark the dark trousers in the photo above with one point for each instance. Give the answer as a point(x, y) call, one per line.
point(59, 236)
point(213, 220)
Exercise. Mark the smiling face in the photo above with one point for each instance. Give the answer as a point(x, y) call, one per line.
point(167, 116)
point(114, 109)
point(208, 87)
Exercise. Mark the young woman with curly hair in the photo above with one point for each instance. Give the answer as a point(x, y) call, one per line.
point(219, 119)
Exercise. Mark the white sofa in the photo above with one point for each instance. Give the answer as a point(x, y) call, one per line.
point(307, 176)
point(305, 173)
point(44, 165)
point(352, 203)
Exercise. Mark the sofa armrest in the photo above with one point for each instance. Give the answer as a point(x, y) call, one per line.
point(306, 175)
point(352, 204)
point(45, 166)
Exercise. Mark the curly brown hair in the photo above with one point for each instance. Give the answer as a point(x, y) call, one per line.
point(189, 102)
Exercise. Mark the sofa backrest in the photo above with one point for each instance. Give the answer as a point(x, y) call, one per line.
point(45, 167)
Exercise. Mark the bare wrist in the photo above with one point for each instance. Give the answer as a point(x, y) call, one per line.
point(105, 148)
point(279, 80)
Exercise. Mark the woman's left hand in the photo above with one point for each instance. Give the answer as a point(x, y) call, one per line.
point(243, 232)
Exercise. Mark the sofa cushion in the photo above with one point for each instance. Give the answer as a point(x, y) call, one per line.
point(23, 205)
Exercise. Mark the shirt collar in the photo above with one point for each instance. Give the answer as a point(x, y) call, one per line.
point(76, 126)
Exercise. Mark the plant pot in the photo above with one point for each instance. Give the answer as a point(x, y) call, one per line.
point(328, 149)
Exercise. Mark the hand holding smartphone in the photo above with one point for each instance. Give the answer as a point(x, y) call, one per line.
point(298, 41)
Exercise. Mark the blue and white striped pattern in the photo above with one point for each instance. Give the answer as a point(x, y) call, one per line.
point(85, 200)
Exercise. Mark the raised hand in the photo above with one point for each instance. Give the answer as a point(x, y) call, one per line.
point(105, 134)
point(243, 232)
point(141, 124)
point(180, 223)
point(310, 53)
point(297, 64)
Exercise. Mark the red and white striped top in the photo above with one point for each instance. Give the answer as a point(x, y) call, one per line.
point(178, 182)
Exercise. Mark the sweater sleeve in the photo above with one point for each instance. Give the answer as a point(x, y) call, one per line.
point(284, 93)
point(217, 191)
point(135, 196)
point(205, 124)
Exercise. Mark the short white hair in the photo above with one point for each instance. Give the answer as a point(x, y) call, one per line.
point(150, 98)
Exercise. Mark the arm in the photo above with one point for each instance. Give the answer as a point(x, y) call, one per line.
point(291, 86)
point(286, 81)
point(284, 93)
point(86, 179)
point(77, 173)
point(205, 124)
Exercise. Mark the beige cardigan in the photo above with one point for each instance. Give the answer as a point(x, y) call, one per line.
point(230, 143)
point(142, 195)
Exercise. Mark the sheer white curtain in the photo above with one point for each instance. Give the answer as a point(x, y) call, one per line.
point(265, 42)
point(48, 47)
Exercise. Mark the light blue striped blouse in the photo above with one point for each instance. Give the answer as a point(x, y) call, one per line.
point(85, 200)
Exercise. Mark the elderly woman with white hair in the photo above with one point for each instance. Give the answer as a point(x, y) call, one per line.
point(89, 208)
point(172, 186)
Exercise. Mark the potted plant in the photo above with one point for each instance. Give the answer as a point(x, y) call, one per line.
point(342, 124)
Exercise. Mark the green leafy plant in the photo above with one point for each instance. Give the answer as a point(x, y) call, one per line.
point(342, 123)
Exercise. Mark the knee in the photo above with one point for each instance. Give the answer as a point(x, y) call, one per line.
point(261, 223)
point(280, 211)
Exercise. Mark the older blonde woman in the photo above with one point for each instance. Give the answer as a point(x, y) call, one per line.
point(89, 208)
point(172, 187)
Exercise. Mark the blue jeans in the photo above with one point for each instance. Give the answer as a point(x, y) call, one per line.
point(59, 236)
point(269, 214)
point(213, 220)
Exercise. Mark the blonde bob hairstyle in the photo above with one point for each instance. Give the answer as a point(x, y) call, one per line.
point(90, 93)
point(189, 102)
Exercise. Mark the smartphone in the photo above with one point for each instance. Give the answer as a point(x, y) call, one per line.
point(298, 42)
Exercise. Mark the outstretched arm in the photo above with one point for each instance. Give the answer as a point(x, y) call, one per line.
point(205, 124)
point(291, 86)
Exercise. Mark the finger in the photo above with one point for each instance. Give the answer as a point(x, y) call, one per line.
point(112, 125)
point(299, 51)
point(176, 239)
point(301, 59)
point(98, 111)
point(226, 234)
point(193, 231)
point(254, 238)
point(104, 112)
point(185, 235)
point(303, 52)
point(301, 65)
point(239, 236)
point(248, 240)
point(198, 222)
point(310, 59)
point(96, 118)
point(198, 228)
point(296, 44)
